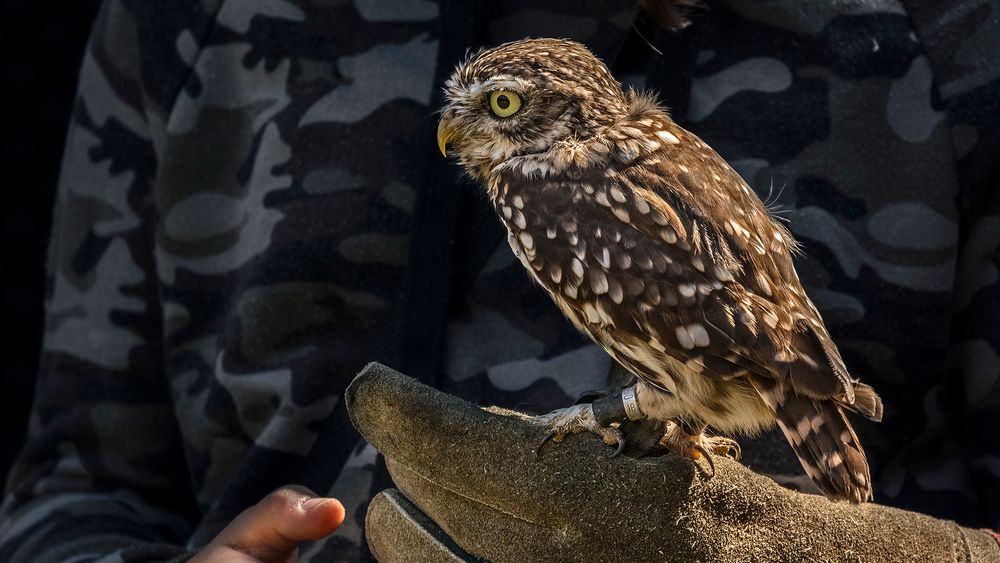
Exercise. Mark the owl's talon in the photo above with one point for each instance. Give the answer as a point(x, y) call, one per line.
point(550, 436)
point(696, 446)
point(576, 419)
point(621, 447)
point(722, 446)
point(708, 457)
point(734, 448)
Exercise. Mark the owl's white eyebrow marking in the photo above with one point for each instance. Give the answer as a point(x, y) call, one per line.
point(498, 82)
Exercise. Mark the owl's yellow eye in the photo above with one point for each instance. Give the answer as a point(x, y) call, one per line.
point(504, 103)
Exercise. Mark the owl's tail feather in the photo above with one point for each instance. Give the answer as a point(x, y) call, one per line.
point(824, 442)
point(866, 402)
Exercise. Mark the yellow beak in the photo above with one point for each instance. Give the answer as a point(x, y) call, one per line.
point(445, 133)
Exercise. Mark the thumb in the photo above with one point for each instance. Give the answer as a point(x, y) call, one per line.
point(272, 529)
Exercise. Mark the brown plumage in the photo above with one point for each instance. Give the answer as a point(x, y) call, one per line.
point(653, 245)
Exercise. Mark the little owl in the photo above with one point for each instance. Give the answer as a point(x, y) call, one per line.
point(652, 245)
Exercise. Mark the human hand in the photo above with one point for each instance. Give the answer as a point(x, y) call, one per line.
point(271, 530)
point(472, 484)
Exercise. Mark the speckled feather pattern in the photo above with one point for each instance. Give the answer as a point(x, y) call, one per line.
point(652, 244)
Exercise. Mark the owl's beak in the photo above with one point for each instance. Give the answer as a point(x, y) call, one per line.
point(445, 133)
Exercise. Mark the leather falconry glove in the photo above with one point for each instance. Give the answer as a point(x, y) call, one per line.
point(471, 486)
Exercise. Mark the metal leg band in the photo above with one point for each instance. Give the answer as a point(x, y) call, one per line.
point(631, 403)
point(617, 408)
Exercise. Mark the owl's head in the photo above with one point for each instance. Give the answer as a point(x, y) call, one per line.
point(523, 97)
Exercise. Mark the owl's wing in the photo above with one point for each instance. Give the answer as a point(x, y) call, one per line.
point(722, 294)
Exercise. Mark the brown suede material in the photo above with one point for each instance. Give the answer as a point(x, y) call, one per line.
point(398, 531)
point(476, 475)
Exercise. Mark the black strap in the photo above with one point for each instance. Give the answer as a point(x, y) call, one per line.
point(611, 409)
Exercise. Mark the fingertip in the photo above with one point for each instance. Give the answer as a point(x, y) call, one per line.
point(337, 513)
point(328, 513)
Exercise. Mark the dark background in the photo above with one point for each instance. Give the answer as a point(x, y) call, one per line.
point(42, 46)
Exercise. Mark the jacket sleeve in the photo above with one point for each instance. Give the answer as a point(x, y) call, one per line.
point(102, 474)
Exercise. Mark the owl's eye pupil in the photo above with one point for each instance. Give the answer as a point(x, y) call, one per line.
point(503, 102)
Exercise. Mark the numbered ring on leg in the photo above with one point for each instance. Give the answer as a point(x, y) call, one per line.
point(631, 404)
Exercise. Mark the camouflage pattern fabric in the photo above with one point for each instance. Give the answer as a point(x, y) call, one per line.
point(239, 196)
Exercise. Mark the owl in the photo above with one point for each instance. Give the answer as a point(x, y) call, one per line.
point(651, 244)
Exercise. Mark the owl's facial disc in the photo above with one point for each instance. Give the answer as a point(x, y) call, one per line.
point(489, 121)
point(490, 109)
point(523, 98)
point(492, 117)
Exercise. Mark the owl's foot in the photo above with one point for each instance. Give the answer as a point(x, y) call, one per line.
point(576, 419)
point(695, 446)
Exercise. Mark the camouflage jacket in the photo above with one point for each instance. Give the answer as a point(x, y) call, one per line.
point(251, 208)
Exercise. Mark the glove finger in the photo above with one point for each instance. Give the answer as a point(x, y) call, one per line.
point(397, 530)
point(482, 528)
